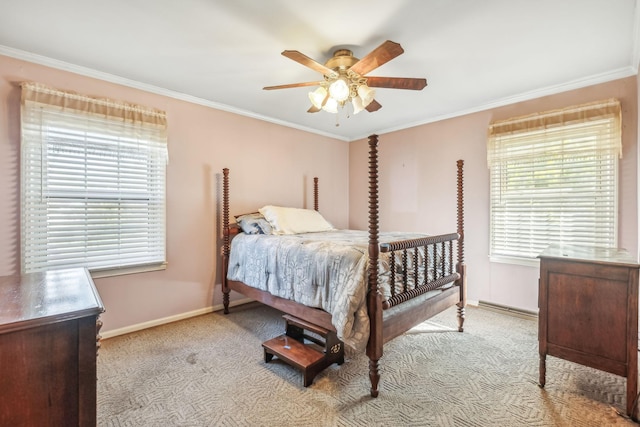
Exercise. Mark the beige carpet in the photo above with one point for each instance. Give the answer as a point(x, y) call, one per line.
point(209, 371)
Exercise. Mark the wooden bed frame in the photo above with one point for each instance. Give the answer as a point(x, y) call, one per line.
point(403, 316)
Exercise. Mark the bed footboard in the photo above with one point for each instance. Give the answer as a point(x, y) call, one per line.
point(433, 274)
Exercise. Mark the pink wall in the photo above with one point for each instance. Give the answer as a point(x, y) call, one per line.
point(268, 163)
point(418, 183)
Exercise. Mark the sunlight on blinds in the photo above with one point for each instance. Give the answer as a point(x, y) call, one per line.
point(554, 179)
point(93, 182)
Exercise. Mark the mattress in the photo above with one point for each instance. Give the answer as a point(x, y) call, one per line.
point(326, 270)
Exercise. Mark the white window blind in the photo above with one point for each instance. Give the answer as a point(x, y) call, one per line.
point(554, 179)
point(92, 182)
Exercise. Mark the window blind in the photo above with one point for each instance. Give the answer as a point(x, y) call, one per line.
point(554, 179)
point(93, 182)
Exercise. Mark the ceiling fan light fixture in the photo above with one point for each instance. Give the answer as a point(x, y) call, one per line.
point(318, 97)
point(366, 94)
point(345, 78)
point(357, 104)
point(339, 90)
point(331, 106)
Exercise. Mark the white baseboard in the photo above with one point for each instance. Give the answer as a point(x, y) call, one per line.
point(182, 316)
point(508, 310)
point(163, 321)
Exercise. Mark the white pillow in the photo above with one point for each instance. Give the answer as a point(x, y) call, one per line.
point(293, 220)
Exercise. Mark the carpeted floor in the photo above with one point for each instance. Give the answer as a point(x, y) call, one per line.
point(210, 371)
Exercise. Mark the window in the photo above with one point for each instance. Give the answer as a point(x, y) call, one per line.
point(92, 183)
point(554, 179)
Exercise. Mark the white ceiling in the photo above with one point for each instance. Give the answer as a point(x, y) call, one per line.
point(474, 54)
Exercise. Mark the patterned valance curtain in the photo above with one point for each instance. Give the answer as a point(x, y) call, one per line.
point(508, 138)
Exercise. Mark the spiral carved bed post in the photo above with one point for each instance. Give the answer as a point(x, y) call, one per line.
point(315, 193)
point(374, 299)
point(461, 267)
point(225, 238)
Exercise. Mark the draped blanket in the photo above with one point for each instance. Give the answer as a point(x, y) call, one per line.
point(325, 270)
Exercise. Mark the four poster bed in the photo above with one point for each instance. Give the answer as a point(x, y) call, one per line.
point(392, 281)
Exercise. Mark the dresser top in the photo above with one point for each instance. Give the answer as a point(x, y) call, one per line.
point(33, 299)
point(615, 256)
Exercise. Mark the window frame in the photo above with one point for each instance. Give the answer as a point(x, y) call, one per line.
point(82, 157)
point(528, 140)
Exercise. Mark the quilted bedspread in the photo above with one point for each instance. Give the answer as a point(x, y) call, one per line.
point(324, 270)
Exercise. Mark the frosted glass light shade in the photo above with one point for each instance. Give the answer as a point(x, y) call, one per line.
point(366, 94)
point(331, 106)
point(318, 96)
point(357, 104)
point(339, 90)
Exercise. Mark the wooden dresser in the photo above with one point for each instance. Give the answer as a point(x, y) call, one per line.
point(48, 343)
point(588, 300)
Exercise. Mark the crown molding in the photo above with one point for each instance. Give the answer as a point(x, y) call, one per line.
point(112, 78)
point(628, 71)
point(526, 96)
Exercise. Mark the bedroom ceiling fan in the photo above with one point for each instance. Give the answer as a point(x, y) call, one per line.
point(345, 79)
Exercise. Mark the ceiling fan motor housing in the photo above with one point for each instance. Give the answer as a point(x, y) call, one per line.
point(342, 60)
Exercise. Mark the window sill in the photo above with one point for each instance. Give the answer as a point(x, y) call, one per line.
point(109, 272)
point(527, 262)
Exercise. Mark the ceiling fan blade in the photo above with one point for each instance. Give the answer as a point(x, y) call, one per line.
point(291, 85)
point(307, 62)
point(373, 106)
point(378, 56)
point(397, 82)
point(313, 109)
